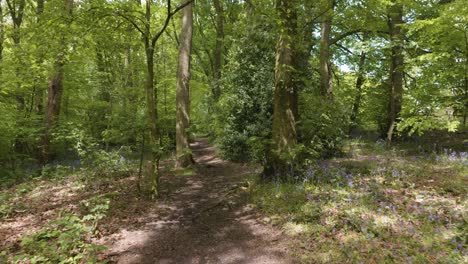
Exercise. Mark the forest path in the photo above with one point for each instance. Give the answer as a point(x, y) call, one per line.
point(206, 218)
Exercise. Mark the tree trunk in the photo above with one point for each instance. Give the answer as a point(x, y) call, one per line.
point(465, 90)
point(359, 83)
point(38, 90)
point(218, 51)
point(395, 21)
point(55, 90)
point(279, 164)
point(183, 154)
point(16, 11)
point(54, 99)
point(152, 155)
point(2, 35)
point(151, 177)
point(326, 81)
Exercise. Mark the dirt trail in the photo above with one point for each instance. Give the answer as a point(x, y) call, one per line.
point(203, 218)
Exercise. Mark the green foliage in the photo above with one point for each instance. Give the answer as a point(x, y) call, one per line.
point(323, 126)
point(245, 109)
point(65, 239)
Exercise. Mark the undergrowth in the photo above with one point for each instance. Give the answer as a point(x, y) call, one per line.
point(375, 206)
point(67, 235)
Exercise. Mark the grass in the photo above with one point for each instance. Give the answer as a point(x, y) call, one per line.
point(375, 205)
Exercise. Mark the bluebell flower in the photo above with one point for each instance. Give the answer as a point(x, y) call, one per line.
point(431, 217)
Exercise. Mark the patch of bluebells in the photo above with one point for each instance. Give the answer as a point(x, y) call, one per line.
point(439, 154)
point(386, 206)
point(323, 172)
point(349, 179)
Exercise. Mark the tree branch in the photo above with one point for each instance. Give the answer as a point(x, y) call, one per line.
point(134, 24)
point(352, 32)
point(168, 19)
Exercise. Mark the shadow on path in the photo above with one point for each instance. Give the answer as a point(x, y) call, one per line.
point(205, 219)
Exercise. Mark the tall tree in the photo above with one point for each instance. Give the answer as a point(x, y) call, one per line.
point(183, 154)
point(150, 38)
point(324, 57)
point(218, 51)
point(395, 23)
point(2, 33)
point(38, 92)
point(55, 87)
point(16, 10)
point(285, 95)
point(359, 83)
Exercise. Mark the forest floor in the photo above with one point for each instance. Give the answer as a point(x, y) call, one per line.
point(406, 204)
point(203, 216)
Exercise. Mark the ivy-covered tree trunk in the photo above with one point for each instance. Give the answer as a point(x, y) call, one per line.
point(324, 57)
point(279, 164)
point(218, 51)
point(55, 90)
point(183, 154)
point(395, 21)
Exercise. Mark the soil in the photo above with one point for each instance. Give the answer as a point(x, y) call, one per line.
point(201, 218)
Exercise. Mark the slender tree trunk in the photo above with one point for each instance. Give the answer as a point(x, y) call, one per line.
point(395, 21)
point(38, 90)
point(285, 96)
point(183, 154)
point(151, 175)
point(325, 57)
point(359, 83)
point(465, 91)
point(55, 90)
point(2, 39)
point(218, 51)
point(16, 10)
point(152, 155)
point(2, 35)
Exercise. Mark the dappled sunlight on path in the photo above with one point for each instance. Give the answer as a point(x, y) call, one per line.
point(205, 219)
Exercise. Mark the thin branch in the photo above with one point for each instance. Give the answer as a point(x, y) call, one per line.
point(168, 18)
point(134, 24)
point(344, 48)
point(352, 32)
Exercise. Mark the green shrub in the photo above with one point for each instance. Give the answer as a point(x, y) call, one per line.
point(323, 126)
point(245, 108)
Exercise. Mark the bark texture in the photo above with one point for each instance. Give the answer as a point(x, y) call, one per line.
point(16, 10)
point(395, 21)
point(2, 34)
point(55, 90)
point(38, 93)
point(151, 154)
point(218, 51)
point(325, 56)
point(183, 153)
point(359, 83)
point(284, 132)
